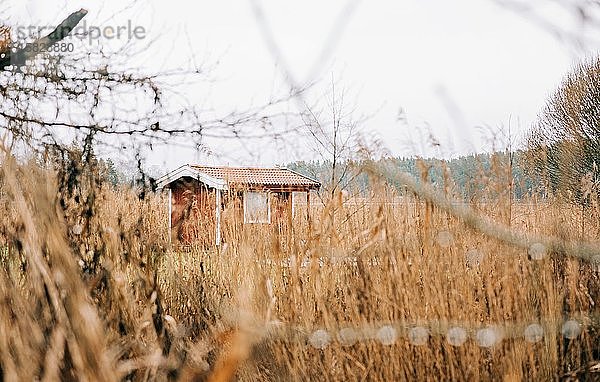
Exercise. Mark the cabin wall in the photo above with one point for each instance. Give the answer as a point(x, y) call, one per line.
point(232, 217)
point(193, 212)
point(281, 206)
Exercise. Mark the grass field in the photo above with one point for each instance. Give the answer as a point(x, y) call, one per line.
point(385, 288)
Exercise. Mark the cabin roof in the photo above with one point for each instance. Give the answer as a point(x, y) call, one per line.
point(258, 176)
point(225, 177)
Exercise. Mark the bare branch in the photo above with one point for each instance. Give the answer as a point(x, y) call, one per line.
point(8, 57)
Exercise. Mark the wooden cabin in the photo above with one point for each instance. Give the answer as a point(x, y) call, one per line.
point(202, 197)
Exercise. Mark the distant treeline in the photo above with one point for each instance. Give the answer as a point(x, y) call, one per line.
point(466, 176)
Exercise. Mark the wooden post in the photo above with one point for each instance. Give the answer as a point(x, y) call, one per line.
point(308, 206)
point(289, 209)
point(218, 217)
point(170, 209)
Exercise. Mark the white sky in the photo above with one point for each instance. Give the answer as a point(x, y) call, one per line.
point(418, 56)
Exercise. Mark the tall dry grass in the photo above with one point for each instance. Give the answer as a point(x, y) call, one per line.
point(383, 267)
point(90, 289)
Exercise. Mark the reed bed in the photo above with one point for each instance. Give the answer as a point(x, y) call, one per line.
point(383, 287)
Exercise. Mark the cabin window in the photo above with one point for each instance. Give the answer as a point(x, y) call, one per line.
point(257, 208)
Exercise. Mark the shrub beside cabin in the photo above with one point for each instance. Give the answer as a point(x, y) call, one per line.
point(205, 200)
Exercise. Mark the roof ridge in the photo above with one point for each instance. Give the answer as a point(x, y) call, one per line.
point(241, 167)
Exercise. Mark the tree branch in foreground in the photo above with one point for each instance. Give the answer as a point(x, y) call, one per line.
point(8, 57)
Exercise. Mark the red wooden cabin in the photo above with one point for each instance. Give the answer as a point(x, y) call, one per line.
point(201, 196)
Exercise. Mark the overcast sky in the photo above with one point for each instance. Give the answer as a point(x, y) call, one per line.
point(444, 66)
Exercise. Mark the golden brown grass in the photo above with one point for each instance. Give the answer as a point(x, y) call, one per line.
point(96, 293)
point(405, 276)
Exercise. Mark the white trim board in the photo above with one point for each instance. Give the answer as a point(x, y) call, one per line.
point(189, 171)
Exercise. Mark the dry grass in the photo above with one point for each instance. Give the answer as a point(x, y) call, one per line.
point(90, 290)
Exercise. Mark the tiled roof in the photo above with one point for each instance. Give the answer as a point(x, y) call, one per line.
point(258, 176)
